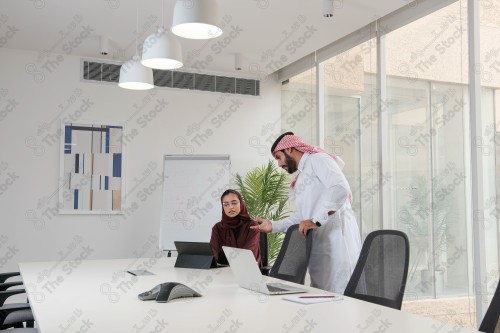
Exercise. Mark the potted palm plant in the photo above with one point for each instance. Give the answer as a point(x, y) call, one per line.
point(265, 191)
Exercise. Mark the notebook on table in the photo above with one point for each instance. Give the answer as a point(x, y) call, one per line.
point(248, 276)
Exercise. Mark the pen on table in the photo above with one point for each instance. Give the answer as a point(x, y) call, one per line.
point(317, 296)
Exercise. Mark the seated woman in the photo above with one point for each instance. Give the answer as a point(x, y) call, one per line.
point(234, 228)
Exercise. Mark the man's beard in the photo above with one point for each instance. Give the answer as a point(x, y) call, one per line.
point(291, 165)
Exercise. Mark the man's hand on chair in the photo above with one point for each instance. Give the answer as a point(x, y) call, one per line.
point(306, 225)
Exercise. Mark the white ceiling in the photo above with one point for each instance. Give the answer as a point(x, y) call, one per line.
point(268, 33)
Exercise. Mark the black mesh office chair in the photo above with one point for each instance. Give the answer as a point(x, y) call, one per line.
point(6, 285)
point(6, 312)
point(264, 254)
point(490, 323)
point(293, 258)
point(14, 314)
point(380, 273)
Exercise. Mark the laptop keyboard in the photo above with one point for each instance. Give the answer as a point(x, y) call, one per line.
point(274, 289)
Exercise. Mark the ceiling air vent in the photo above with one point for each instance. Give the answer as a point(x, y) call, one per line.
point(162, 78)
point(247, 87)
point(225, 84)
point(92, 71)
point(204, 82)
point(104, 72)
point(110, 72)
point(183, 80)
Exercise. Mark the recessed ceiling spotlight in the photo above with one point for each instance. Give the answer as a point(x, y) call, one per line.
point(237, 62)
point(328, 8)
point(103, 45)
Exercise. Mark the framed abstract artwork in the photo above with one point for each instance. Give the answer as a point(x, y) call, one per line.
point(91, 169)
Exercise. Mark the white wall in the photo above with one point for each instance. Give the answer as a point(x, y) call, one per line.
point(31, 110)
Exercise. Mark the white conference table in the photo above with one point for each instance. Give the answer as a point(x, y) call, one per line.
point(98, 296)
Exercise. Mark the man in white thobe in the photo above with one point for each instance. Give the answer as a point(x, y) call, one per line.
point(323, 203)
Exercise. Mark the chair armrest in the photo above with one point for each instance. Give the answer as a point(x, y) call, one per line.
point(7, 285)
point(5, 276)
point(7, 293)
point(4, 311)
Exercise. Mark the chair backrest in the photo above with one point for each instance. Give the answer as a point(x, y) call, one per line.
point(382, 268)
point(11, 310)
point(8, 275)
point(263, 249)
point(293, 258)
point(14, 314)
point(490, 323)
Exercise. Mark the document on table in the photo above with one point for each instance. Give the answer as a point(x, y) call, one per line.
point(313, 298)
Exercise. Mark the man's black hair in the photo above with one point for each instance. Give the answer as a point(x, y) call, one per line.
point(279, 139)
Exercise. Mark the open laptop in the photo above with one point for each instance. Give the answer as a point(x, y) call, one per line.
point(248, 276)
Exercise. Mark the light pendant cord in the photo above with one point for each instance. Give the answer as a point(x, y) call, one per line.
point(162, 23)
point(136, 27)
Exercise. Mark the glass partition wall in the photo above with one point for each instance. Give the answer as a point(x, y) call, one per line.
point(298, 105)
point(351, 122)
point(396, 107)
point(427, 129)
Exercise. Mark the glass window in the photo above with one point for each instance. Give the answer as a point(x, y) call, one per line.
point(489, 139)
point(298, 106)
point(350, 125)
point(429, 163)
point(422, 117)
